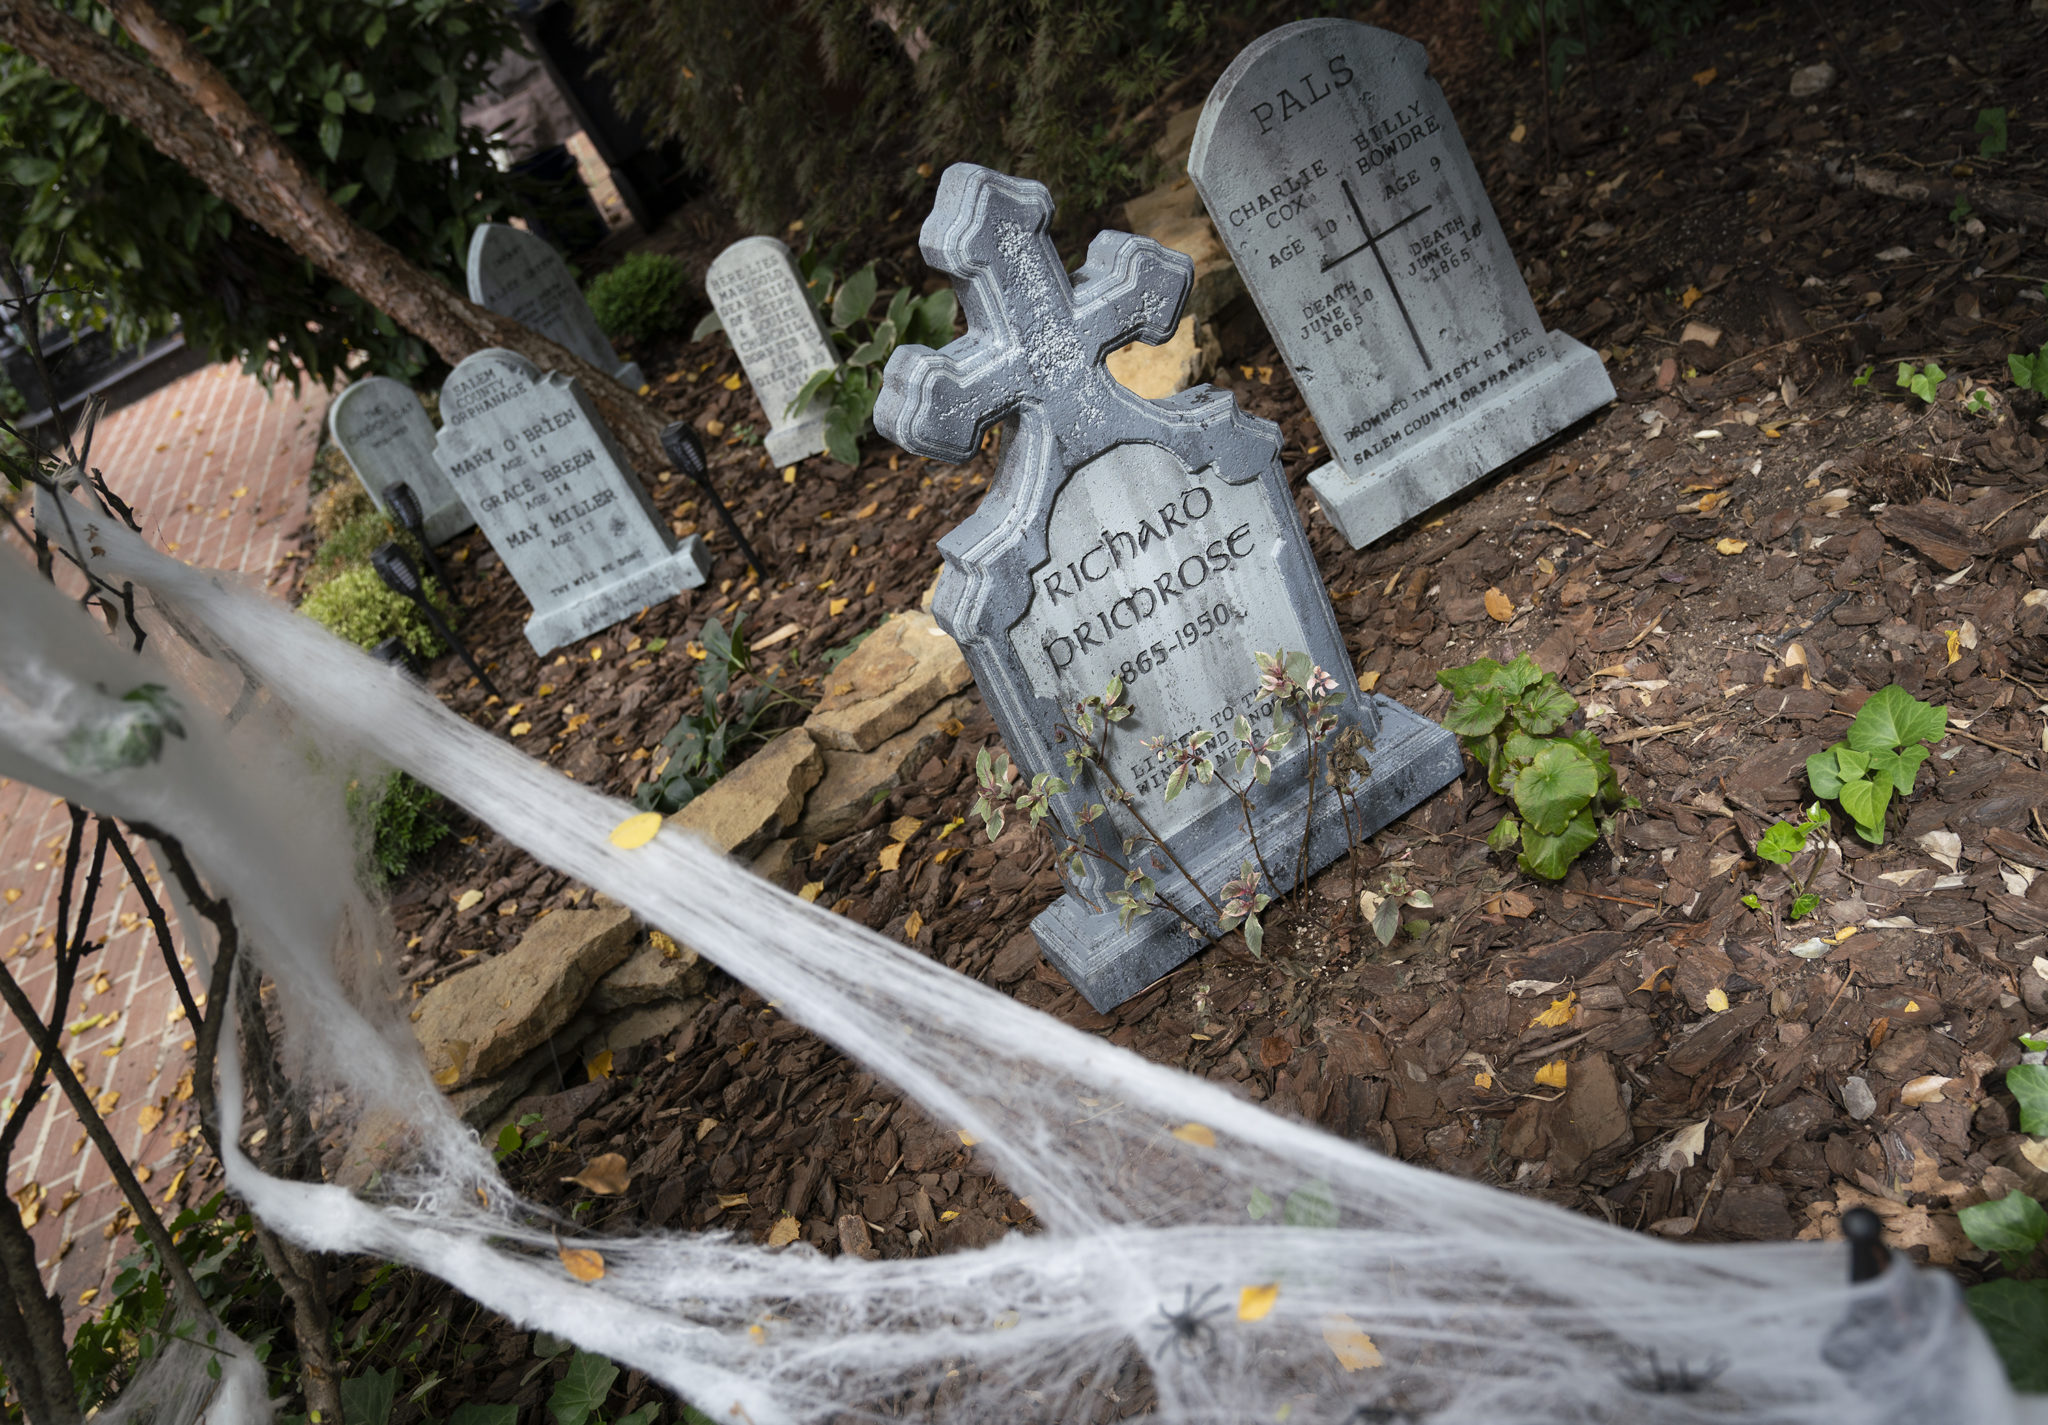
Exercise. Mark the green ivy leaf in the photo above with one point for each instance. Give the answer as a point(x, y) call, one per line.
point(1551, 856)
point(1554, 788)
point(819, 380)
point(2013, 1227)
point(1803, 906)
point(1259, 1206)
point(580, 1393)
point(1905, 766)
point(2028, 1083)
point(1781, 842)
point(1866, 801)
point(1822, 774)
point(2014, 1315)
point(855, 296)
point(1891, 718)
point(1313, 1204)
point(366, 1399)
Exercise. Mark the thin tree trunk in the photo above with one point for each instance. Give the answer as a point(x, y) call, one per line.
point(32, 1331)
point(188, 110)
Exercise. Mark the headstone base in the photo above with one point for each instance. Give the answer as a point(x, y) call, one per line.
point(788, 444)
point(607, 603)
point(1481, 437)
point(1412, 759)
point(630, 376)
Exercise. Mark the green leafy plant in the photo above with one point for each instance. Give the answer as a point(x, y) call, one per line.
point(129, 733)
point(518, 1135)
point(1511, 717)
point(1863, 376)
point(356, 605)
point(1961, 213)
point(1977, 402)
point(730, 722)
point(862, 342)
point(1991, 127)
point(637, 299)
point(2028, 1084)
point(404, 821)
point(1781, 844)
point(1881, 754)
point(580, 1394)
point(2013, 1312)
point(370, 97)
point(2030, 373)
point(1922, 381)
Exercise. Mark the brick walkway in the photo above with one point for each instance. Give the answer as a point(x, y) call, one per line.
point(215, 469)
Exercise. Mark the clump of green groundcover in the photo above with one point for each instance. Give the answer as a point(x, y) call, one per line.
point(340, 502)
point(405, 822)
point(637, 299)
point(356, 605)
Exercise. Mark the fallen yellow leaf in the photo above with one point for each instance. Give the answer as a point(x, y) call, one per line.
point(1925, 1089)
point(904, 827)
point(1717, 999)
point(1730, 546)
point(600, 1065)
point(785, 1231)
point(106, 1101)
point(811, 891)
point(1499, 606)
point(1353, 1349)
point(911, 925)
point(520, 729)
point(1255, 1303)
point(1559, 1013)
point(868, 509)
point(1650, 980)
point(836, 607)
point(892, 856)
point(1482, 1080)
point(729, 1200)
point(1706, 77)
point(1199, 1134)
point(636, 831)
point(732, 382)
point(583, 1264)
point(1368, 681)
point(149, 1118)
point(704, 1127)
point(12, 894)
point(967, 1140)
point(469, 898)
point(1551, 1075)
point(1955, 645)
point(1691, 295)
point(604, 1175)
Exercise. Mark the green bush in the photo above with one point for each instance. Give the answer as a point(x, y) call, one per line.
point(823, 112)
point(352, 544)
point(355, 605)
point(637, 299)
point(368, 95)
point(405, 822)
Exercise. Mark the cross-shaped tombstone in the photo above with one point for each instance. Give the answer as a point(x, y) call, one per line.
point(1154, 541)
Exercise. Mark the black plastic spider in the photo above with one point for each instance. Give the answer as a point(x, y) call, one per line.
point(1190, 1324)
point(1681, 1379)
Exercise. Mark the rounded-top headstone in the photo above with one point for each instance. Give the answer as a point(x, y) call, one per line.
point(518, 275)
point(1330, 163)
point(755, 287)
point(383, 432)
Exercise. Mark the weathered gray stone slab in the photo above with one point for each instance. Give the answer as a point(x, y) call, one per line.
point(1329, 160)
point(379, 425)
point(759, 295)
point(552, 492)
point(1153, 540)
point(518, 275)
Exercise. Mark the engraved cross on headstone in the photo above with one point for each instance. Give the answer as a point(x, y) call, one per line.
point(1373, 241)
point(1153, 541)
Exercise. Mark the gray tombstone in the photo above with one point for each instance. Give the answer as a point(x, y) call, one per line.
point(1153, 540)
point(1330, 164)
point(553, 493)
point(518, 275)
point(760, 298)
point(382, 430)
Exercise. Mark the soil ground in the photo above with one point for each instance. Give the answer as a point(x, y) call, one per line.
point(1721, 566)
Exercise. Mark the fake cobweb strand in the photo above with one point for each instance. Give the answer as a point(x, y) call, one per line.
point(1484, 1305)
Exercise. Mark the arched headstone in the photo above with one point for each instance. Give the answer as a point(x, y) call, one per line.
point(379, 425)
point(759, 295)
point(552, 492)
point(1331, 166)
point(519, 276)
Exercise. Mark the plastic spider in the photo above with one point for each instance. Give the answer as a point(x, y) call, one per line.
point(1681, 1379)
point(1185, 1327)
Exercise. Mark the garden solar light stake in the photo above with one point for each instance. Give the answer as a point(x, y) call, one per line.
point(399, 575)
point(687, 453)
point(406, 506)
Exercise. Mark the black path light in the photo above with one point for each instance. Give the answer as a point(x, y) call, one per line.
point(405, 507)
point(401, 577)
point(686, 452)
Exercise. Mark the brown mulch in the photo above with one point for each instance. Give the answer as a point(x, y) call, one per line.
point(1885, 540)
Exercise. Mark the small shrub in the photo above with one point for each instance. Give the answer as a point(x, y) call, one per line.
point(2030, 373)
point(1923, 381)
point(637, 299)
point(1509, 717)
point(355, 605)
point(704, 745)
point(341, 502)
point(405, 822)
